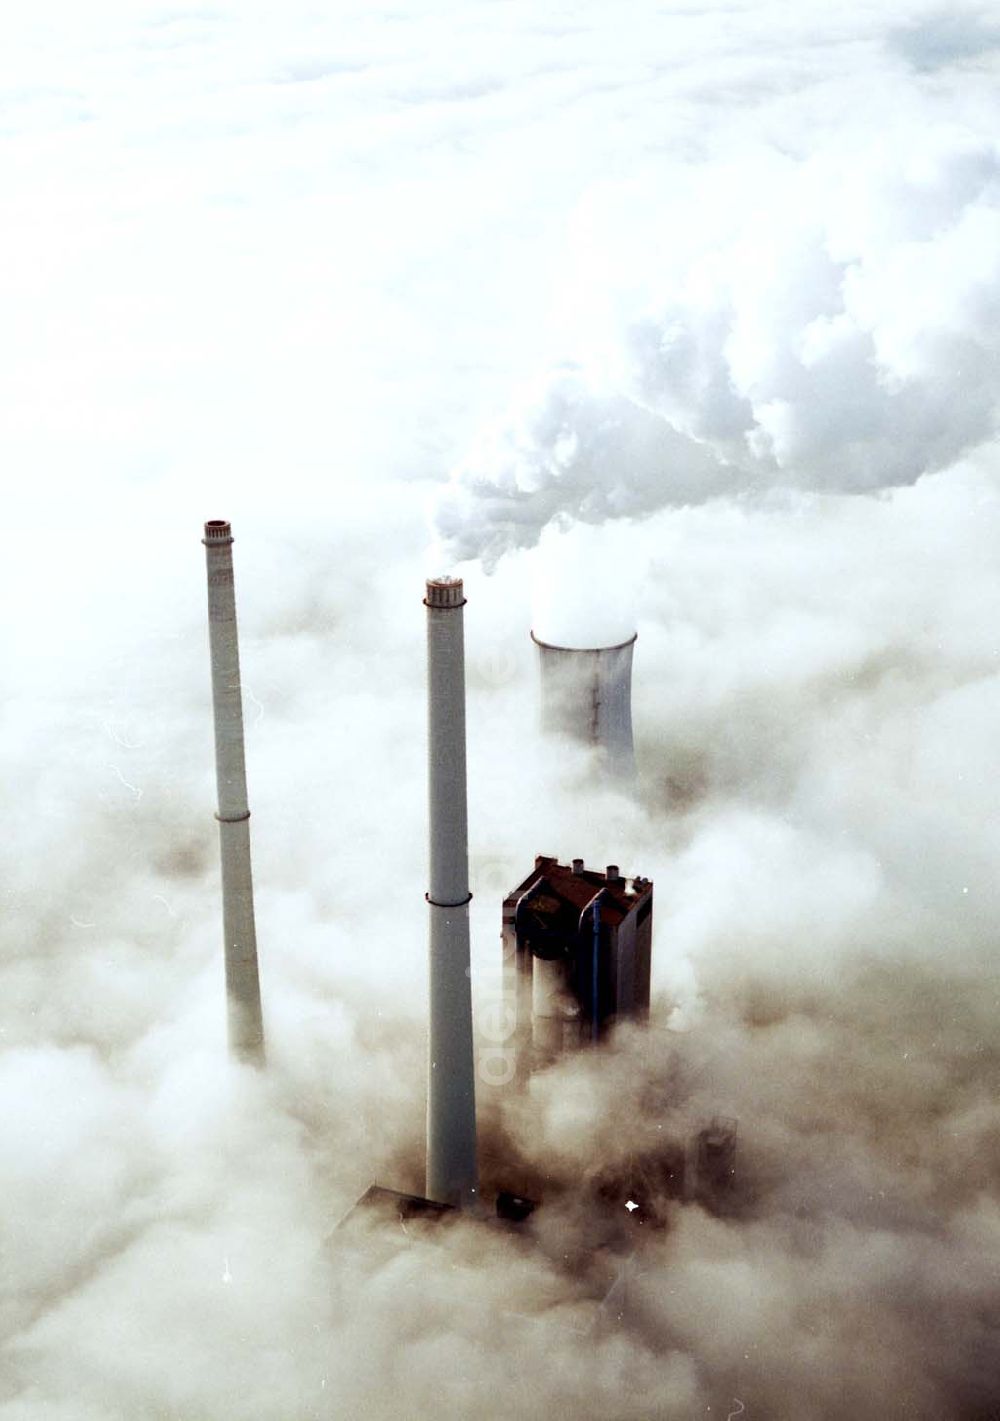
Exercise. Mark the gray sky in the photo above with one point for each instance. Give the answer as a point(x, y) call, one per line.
point(682, 318)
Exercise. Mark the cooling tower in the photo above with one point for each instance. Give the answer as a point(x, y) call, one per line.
point(246, 1030)
point(452, 1176)
point(586, 694)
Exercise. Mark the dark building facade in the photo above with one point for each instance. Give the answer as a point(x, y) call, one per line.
point(576, 945)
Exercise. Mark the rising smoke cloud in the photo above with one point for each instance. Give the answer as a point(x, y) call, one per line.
point(826, 324)
point(815, 697)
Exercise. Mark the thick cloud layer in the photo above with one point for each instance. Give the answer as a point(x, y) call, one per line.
point(282, 272)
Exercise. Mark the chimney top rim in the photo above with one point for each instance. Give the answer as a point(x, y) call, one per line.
point(445, 592)
point(218, 530)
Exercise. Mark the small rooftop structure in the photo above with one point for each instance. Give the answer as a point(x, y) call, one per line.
point(715, 1159)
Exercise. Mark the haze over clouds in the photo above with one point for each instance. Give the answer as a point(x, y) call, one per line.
point(693, 312)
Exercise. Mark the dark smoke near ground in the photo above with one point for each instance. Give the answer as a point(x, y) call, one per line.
point(282, 272)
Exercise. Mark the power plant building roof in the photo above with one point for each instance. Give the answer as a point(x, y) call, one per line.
point(572, 887)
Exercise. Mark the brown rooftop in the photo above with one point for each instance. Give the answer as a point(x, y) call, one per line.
point(573, 886)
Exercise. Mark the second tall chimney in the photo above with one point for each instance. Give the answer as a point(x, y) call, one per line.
point(246, 1027)
point(452, 1174)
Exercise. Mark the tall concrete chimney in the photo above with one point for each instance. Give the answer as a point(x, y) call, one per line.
point(452, 1174)
point(246, 1029)
point(586, 694)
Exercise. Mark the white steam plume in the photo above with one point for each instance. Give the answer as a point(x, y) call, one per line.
point(828, 324)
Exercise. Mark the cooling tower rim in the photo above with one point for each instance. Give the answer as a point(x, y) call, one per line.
point(555, 646)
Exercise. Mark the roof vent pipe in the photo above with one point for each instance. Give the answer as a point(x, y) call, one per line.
point(593, 910)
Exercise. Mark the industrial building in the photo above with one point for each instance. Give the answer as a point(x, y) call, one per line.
point(576, 952)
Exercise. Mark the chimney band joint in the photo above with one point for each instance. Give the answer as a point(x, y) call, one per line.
point(460, 904)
